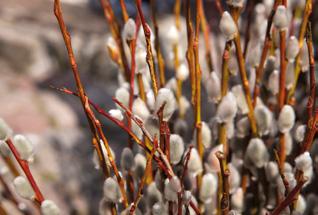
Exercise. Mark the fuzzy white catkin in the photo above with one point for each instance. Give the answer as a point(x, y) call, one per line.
point(127, 159)
point(122, 95)
point(227, 108)
point(117, 114)
point(111, 190)
point(173, 35)
point(4, 148)
point(23, 187)
point(195, 164)
point(263, 118)
point(300, 205)
point(239, 95)
point(213, 87)
point(304, 58)
point(300, 133)
point(140, 109)
point(288, 143)
point(169, 194)
point(140, 58)
point(237, 200)
point(206, 135)
point(273, 82)
point(271, 171)
point(286, 119)
point(5, 130)
point(257, 152)
point(182, 72)
point(48, 207)
point(290, 75)
point(292, 49)
point(129, 29)
point(228, 26)
point(281, 18)
point(208, 187)
point(150, 99)
point(243, 127)
point(235, 3)
point(24, 146)
point(234, 178)
point(111, 44)
point(165, 96)
point(176, 148)
point(140, 164)
point(303, 162)
point(184, 105)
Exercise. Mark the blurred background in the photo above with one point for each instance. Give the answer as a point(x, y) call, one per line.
point(33, 57)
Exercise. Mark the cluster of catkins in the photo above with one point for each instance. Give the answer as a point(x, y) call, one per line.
point(249, 155)
point(23, 150)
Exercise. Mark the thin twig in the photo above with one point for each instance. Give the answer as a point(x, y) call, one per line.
point(149, 58)
point(225, 173)
point(26, 169)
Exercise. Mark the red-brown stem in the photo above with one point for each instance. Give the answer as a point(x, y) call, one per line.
point(266, 47)
point(124, 10)
point(79, 85)
point(26, 169)
point(149, 58)
point(119, 178)
point(161, 63)
point(282, 92)
point(281, 172)
point(219, 7)
point(289, 198)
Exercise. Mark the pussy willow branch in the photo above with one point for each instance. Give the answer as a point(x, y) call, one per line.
point(26, 169)
point(281, 172)
point(124, 10)
point(225, 173)
point(266, 46)
point(161, 159)
point(119, 178)
point(289, 198)
point(95, 124)
point(79, 85)
point(161, 63)
point(189, 53)
point(149, 58)
point(302, 31)
point(219, 6)
point(282, 91)
point(114, 27)
point(224, 90)
point(245, 83)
